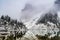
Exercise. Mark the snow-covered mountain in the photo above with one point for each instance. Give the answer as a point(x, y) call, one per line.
point(41, 22)
point(49, 23)
point(11, 26)
point(51, 16)
point(30, 12)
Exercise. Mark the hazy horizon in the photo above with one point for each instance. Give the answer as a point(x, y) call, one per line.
point(14, 8)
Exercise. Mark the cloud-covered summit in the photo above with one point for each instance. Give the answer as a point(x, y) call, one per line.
point(57, 2)
point(57, 5)
point(28, 7)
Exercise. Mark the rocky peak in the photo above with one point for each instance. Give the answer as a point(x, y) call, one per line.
point(50, 16)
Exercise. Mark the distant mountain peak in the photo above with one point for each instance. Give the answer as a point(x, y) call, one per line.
point(57, 2)
point(27, 7)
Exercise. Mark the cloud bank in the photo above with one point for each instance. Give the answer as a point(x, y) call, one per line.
point(35, 7)
point(32, 8)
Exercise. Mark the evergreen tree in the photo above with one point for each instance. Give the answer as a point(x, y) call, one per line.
point(2, 17)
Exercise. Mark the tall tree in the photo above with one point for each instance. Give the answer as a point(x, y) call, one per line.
point(2, 17)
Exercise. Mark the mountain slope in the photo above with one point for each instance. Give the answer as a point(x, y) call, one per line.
point(50, 16)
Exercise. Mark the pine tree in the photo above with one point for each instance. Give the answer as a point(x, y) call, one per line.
point(2, 17)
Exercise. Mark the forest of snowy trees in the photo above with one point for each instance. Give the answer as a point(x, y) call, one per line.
point(17, 29)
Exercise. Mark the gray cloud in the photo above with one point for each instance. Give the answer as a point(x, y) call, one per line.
point(13, 8)
point(57, 5)
point(35, 7)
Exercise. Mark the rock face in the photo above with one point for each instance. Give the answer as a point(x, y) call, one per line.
point(46, 24)
point(51, 17)
point(42, 29)
point(57, 1)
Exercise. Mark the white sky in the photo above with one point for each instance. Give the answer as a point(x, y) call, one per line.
point(13, 7)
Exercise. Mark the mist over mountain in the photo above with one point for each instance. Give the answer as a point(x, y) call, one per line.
point(34, 17)
point(57, 5)
point(28, 7)
point(57, 2)
point(26, 11)
point(50, 16)
point(47, 23)
point(29, 12)
point(34, 8)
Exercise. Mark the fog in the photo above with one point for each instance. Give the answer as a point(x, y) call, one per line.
point(14, 8)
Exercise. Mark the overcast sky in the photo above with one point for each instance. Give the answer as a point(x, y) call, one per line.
point(13, 7)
